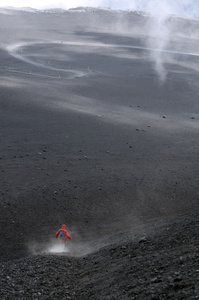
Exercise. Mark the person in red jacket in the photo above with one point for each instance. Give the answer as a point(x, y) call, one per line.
point(63, 234)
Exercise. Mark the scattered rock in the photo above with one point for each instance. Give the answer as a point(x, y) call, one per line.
point(143, 240)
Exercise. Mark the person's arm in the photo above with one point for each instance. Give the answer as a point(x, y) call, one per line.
point(68, 235)
point(57, 233)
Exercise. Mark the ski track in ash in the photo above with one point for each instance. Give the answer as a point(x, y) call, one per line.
point(14, 48)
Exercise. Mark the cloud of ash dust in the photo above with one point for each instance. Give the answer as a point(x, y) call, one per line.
point(159, 36)
point(159, 29)
point(48, 247)
point(73, 248)
point(159, 32)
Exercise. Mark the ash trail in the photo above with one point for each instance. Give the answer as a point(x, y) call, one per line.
point(14, 48)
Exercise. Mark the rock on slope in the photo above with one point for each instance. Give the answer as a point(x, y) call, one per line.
point(162, 264)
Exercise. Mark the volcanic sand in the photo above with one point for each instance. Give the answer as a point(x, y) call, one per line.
point(91, 134)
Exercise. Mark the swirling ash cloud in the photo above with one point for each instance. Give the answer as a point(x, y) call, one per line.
point(188, 8)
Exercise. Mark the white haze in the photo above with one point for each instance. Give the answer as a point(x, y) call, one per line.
point(189, 8)
point(158, 31)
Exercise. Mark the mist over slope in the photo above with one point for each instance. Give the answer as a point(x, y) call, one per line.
point(165, 7)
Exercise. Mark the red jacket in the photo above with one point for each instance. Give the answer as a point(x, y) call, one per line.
point(65, 235)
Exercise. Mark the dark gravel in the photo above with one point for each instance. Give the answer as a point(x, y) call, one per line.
point(162, 264)
point(91, 137)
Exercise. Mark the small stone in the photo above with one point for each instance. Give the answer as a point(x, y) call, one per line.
point(143, 240)
point(123, 247)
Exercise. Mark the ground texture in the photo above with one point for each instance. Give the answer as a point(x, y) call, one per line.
point(99, 130)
